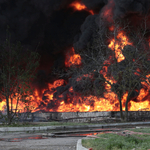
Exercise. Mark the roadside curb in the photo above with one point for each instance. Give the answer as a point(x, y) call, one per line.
point(79, 145)
point(47, 128)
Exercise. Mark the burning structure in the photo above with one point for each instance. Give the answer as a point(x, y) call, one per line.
point(65, 31)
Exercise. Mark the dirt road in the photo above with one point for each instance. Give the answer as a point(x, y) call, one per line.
point(24, 141)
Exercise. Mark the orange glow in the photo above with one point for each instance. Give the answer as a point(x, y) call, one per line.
point(118, 44)
point(142, 106)
point(2, 105)
point(22, 107)
point(35, 99)
point(110, 103)
point(77, 104)
point(108, 11)
point(111, 28)
point(80, 6)
point(85, 75)
point(72, 58)
point(54, 100)
point(58, 83)
point(144, 94)
point(89, 103)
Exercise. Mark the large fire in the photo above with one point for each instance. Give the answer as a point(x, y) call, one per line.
point(74, 102)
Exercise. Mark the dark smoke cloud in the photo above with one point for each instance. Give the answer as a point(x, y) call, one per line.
point(90, 26)
point(55, 27)
point(124, 7)
point(95, 4)
point(48, 6)
point(118, 8)
point(49, 24)
point(88, 29)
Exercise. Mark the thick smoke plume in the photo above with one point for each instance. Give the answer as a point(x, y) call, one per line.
point(47, 25)
point(125, 7)
point(52, 26)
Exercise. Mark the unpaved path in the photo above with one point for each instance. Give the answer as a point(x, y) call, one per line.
point(23, 141)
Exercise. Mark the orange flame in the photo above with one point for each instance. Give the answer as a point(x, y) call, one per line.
point(80, 6)
point(72, 58)
point(118, 45)
point(76, 103)
point(108, 11)
point(144, 94)
point(142, 106)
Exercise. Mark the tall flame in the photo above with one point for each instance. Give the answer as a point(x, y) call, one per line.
point(74, 102)
point(119, 44)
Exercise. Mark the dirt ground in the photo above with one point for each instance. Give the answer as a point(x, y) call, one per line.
point(24, 141)
point(36, 141)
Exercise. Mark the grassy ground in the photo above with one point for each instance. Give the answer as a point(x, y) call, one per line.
point(43, 124)
point(143, 130)
point(110, 141)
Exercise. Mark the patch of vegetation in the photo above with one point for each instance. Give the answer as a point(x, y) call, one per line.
point(31, 124)
point(110, 141)
point(14, 124)
point(63, 123)
point(143, 130)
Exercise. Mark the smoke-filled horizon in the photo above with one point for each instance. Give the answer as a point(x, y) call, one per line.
point(54, 26)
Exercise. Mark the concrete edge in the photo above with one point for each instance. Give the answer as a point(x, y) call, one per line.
point(46, 128)
point(79, 145)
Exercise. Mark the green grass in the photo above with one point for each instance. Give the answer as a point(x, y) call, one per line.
point(43, 124)
point(143, 130)
point(118, 142)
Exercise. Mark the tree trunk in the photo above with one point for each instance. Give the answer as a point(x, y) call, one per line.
point(8, 111)
point(126, 109)
point(121, 113)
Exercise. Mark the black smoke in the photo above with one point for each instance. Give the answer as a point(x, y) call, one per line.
point(52, 26)
point(95, 5)
point(48, 26)
point(126, 7)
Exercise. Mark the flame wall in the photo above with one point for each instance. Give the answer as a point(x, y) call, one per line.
point(54, 27)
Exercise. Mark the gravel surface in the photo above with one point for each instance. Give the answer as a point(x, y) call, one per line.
point(24, 143)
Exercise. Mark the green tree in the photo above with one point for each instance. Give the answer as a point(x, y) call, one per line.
point(17, 69)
